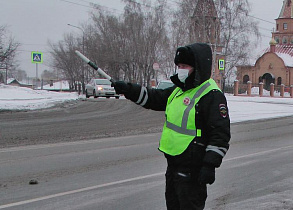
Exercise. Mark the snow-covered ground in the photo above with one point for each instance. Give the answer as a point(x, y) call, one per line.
point(241, 108)
point(61, 85)
point(21, 98)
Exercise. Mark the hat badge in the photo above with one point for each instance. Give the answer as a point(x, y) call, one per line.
point(186, 101)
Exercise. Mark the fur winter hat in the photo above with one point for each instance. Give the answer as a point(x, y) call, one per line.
point(184, 55)
point(199, 56)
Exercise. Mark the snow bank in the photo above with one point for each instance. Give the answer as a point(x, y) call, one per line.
point(21, 98)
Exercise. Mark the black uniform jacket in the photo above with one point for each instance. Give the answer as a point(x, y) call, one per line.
point(212, 114)
point(212, 117)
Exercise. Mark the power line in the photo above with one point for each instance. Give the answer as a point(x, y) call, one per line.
point(82, 5)
point(93, 7)
point(146, 5)
point(30, 51)
point(265, 36)
point(35, 44)
point(247, 15)
point(110, 8)
point(149, 6)
point(260, 19)
point(270, 30)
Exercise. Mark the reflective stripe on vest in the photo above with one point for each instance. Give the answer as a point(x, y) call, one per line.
point(183, 129)
point(179, 129)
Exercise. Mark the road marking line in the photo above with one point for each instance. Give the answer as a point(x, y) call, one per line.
point(121, 182)
point(258, 153)
point(78, 191)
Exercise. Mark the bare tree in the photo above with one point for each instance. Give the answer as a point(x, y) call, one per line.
point(20, 75)
point(107, 48)
point(8, 47)
point(237, 30)
point(128, 45)
point(65, 62)
point(48, 76)
point(228, 27)
point(182, 22)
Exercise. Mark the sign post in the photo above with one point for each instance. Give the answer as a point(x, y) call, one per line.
point(156, 67)
point(37, 57)
point(221, 64)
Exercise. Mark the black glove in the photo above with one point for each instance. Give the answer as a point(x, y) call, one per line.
point(120, 87)
point(206, 175)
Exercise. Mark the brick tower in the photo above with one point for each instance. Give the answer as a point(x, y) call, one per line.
point(206, 29)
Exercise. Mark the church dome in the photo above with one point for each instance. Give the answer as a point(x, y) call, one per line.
point(273, 42)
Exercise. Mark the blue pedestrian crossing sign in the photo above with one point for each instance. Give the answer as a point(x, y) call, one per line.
point(221, 64)
point(37, 57)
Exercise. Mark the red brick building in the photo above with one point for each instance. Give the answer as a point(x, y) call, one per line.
point(206, 25)
point(276, 64)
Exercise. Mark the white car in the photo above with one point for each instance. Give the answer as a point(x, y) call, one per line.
point(163, 84)
point(100, 88)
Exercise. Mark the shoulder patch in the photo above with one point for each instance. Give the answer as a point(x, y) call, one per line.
point(223, 110)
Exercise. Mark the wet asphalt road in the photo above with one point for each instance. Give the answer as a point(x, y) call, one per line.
point(83, 170)
point(80, 120)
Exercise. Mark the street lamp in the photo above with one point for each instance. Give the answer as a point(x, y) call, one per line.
point(83, 85)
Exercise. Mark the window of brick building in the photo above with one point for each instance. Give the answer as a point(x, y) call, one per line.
point(285, 40)
point(277, 27)
point(285, 26)
point(277, 39)
point(245, 79)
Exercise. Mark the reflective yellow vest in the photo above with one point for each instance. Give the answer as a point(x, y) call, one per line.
point(179, 128)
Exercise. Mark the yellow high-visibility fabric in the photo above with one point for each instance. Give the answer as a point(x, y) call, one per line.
point(179, 128)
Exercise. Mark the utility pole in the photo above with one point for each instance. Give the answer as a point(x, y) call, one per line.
point(83, 69)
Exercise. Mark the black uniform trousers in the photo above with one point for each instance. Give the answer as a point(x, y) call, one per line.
point(183, 192)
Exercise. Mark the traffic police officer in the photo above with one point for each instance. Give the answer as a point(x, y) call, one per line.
point(196, 132)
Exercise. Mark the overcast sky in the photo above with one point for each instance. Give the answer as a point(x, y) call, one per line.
point(34, 22)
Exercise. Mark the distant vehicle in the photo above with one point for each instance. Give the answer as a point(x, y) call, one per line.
point(163, 84)
point(100, 88)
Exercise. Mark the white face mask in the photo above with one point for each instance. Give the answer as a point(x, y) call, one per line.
point(182, 74)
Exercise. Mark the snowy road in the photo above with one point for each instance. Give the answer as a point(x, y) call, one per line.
point(78, 120)
point(128, 172)
point(77, 168)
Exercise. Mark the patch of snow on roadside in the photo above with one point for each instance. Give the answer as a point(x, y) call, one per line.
point(21, 98)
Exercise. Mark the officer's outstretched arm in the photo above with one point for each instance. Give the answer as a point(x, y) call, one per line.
point(148, 98)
